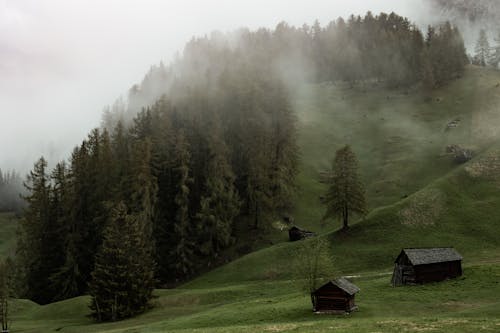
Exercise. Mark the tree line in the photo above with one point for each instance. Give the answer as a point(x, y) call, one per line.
point(161, 194)
point(387, 49)
point(11, 188)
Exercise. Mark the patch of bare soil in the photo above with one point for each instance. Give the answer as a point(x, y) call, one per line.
point(487, 167)
point(423, 208)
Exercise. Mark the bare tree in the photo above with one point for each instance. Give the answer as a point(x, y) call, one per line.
point(4, 297)
point(313, 263)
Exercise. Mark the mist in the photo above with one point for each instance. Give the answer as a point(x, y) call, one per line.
point(62, 62)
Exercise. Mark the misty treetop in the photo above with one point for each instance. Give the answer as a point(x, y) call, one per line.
point(11, 189)
point(385, 48)
point(486, 53)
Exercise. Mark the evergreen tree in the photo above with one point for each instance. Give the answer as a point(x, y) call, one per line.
point(220, 203)
point(495, 55)
point(482, 49)
point(285, 152)
point(144, 186)
point(34, 246)
point(59, 232)
point(183, 250)
point(345, 193)
point(82, 232)
point(5, 293)
point(428, 80)
point(123, 278)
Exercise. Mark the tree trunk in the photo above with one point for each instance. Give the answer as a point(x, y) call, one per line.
point(345, 216)
point(256, 221)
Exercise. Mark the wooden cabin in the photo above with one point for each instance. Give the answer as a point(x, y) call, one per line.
point(295, 234)
point(421, 265)
point(336, 296)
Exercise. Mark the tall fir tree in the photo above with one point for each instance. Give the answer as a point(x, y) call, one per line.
point(123, 278)
point(182, 228)
point(345, 193)
point(35, 241)
point(482, 50)
point(495, 55)
point(220, 202)
point(59, 233)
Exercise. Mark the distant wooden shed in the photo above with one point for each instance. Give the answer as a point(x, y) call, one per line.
point(336, 296)
point(421, 265)
point(295, 233)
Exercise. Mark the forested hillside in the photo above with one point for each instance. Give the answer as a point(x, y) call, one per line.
point(201, 146)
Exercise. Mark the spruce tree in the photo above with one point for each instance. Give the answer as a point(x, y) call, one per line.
point(345, 194)
point(5, 293)
point(495, 55)
point(482, 49)
point(59, 232)
point(183, 250)
point(35, 241)
point(427, 75)
point(220, 203)
point(123, 278)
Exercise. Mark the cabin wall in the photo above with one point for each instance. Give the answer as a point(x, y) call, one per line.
point(333, 300)
point(438, 271)
point(403, 274)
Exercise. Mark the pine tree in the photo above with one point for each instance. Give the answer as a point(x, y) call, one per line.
point(162, 164)
point(285, 152)
point(182, 227)
point(144, 186)
point(82, 204)
point(345, 193)
point(220, 203)
point(5, 293)
point(34, 246)
point(123, 278)
point(427, 75)
point(482, 49)
point(495, 55)
point(59, 232)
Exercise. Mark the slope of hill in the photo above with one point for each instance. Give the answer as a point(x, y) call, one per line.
point(400, 141)
point(399, 138)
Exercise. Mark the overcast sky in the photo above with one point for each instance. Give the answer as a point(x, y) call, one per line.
point(62, 61)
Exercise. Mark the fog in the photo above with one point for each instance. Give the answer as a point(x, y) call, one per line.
point(62, 61)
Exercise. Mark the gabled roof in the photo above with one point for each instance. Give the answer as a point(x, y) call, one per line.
point(343, 284)
point(423, 256)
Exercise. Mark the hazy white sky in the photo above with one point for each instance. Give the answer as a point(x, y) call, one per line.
point(62, 61)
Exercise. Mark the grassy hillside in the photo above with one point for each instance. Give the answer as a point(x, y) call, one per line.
point(399, 137)
point(467, 304)
point(400, 141)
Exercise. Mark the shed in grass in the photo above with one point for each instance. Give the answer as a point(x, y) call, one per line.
point(421, 265)
point(295, 233)
point(335, 296)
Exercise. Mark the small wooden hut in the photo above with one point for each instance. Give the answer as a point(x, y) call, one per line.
point(295, 233)
point(336, 296)
point(421, 265)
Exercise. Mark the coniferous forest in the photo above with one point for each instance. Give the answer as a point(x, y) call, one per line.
point(200, 146)
point(11, 186)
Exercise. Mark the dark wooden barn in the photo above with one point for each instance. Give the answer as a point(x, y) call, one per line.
point(416, 266)
point(295, 234)
point(336, 296)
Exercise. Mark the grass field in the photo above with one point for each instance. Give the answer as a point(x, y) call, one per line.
point(417, 196)
point(467, 304)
